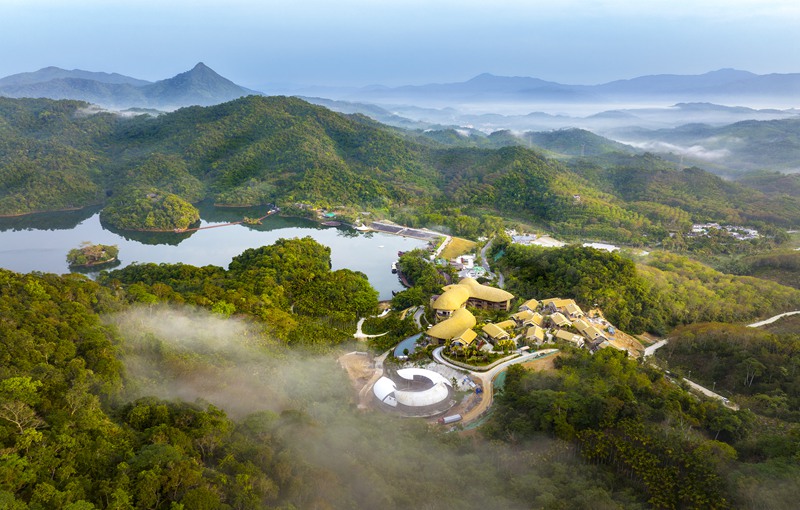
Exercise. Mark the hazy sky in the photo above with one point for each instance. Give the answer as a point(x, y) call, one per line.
point(394, 42)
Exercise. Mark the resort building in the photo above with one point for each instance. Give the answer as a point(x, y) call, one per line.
point(468, 292)
point(507, 324)
point(521, 317)
point(593, 333)
point(414, 392)
point(581, 325)
point(464, 339)
point(495, 333)
point(534, 335)
point(530, 304)
point(565, 306)
point(559, 320)
point(572, 338)
point(453, 327)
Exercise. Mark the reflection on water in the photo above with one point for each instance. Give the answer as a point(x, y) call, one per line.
point(153, 238)
point(93, 270)
point(62, 220)
point(40, 242)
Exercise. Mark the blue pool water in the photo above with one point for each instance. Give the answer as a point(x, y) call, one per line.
point(409, 343)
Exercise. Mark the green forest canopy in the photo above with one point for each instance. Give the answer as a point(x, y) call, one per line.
point(259, 150)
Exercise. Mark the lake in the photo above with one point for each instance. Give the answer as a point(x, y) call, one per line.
point(40, 242)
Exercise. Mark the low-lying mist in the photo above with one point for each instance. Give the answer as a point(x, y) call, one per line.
point(371, 460)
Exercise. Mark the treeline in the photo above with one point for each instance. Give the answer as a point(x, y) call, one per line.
point(288, 285)
point(778, 266)
point(665, 291)
point(705, 196)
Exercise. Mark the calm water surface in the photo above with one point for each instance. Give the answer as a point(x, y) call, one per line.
point(40, 242)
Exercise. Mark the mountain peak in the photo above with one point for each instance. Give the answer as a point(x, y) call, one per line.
point(201, 85)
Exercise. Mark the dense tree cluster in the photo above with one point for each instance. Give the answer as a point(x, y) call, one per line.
point(591, 276)
point(630, 419)
point(748, 361)
point(92, 254)
point(149, 209)
point(289, 285)
point(654, 296)
point(422, 275)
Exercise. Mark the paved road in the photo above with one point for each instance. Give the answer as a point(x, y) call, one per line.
point(484, 250)
point(501, 280)
point(487, 378)
point(418, 315)
point(360, 334)
point(771, 319)
point(708, 393)
point(442, 246)
point(649, 351)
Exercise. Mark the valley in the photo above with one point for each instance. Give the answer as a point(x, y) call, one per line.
point(200, 372)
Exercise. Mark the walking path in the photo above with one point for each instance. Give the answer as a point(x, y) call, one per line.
point(771, 319)
point(179, 231)
point(360, 334)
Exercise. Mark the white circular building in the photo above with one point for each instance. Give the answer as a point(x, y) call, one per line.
point(414, 392)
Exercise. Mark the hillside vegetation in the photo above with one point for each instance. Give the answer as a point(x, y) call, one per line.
point(258, 150)
point(656, 295)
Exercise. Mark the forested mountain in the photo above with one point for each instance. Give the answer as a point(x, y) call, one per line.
point(198, 86)
point(742, 146)
point(258, 150)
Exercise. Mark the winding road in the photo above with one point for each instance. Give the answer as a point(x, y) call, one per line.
point(501, 281)
point(487, 378)
point(771, 319)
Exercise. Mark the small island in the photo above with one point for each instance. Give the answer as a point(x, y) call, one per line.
point(149, 210)
point(91, 255)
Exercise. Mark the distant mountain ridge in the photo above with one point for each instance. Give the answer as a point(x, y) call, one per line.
point(54, 73)
point(486, 87)
point(199, 86)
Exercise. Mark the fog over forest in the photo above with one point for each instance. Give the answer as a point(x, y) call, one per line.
point(370, 460)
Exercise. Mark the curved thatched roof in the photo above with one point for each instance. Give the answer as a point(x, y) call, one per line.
point(460, 320)
point(453, 298)
point(456, 295)
point(485, 292)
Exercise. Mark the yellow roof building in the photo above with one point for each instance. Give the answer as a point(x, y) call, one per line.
point(507, 324)
point(573, 310)
point(581, 325)
point(570, 337)
point(522, 316)
point(456, 296)
point(530, 304)
point(453, 298)
point(535, 333)
point(461, 320)
point(495, 332)
point(465, 338)
point(559, 320)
